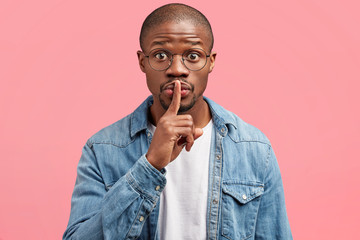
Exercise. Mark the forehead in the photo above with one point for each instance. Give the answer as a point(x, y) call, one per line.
point(176, 33)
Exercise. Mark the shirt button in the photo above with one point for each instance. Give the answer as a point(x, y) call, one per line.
point(141, 218)
point(215, 201)
point(218, 157)
point(157, 188)
point(223, 130)
point(149, 134)
point(244, 196)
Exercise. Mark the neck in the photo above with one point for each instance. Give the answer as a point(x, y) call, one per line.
point(200, 113)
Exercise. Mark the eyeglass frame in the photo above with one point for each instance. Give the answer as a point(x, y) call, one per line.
point(172, 58)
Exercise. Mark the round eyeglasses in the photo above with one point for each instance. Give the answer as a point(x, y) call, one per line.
point(193, 59)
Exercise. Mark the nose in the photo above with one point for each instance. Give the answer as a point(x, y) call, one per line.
point(177, 68)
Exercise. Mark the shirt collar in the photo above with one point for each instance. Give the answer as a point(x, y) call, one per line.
point(221, 117)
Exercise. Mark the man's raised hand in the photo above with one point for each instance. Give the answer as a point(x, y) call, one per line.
point(172, 133)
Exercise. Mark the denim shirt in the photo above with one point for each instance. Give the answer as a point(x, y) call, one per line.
point(116, 194)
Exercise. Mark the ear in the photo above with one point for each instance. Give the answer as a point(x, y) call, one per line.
point(141, 59)
point(212, 61)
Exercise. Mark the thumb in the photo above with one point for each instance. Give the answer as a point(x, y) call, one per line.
point(198, 133)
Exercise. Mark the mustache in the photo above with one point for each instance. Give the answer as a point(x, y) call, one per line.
point(182, 80)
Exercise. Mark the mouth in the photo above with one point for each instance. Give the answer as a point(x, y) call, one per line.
point(169, 89)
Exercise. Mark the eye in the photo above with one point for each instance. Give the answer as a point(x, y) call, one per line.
point(161, 56)
point(193, 56)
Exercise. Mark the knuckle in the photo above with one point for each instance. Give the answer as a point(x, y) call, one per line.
point(189, 123)
point(166, 124)
point(162, 121)
point(171, 131)
point(189, 117)
point(189, 131)
point(186, 123)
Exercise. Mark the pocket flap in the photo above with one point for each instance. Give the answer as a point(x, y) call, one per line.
point(243, 192)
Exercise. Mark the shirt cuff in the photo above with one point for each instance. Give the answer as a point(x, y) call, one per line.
point(146, 179)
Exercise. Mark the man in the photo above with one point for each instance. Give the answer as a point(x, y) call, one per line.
point(180, 166)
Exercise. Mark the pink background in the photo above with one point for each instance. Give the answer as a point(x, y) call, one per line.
point(291, 68)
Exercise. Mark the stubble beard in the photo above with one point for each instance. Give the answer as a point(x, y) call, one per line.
point(183, 108)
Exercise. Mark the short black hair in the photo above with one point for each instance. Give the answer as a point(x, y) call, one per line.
point(175, 12)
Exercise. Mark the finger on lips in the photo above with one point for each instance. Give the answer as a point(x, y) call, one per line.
point(186, 126)
point(176, 98)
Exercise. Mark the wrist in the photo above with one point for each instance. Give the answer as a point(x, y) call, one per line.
point(153, 163)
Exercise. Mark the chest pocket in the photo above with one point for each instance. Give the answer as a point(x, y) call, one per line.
point(240, 204)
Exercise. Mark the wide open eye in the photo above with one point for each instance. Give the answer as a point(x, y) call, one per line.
point(160, 55)
point(193, 56)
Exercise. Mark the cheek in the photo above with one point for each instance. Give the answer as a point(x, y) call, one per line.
point(201, 82)
point(153, 82)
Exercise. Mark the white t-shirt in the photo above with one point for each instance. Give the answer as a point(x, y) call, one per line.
point(183, 202)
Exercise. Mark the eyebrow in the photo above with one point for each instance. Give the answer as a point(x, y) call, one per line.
point(159, 42)
point(194, 42)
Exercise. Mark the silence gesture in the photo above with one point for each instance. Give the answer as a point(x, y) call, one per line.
point(173, 133)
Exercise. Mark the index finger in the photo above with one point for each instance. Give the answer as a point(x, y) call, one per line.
point(176, 99)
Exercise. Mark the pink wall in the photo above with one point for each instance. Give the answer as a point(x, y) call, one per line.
point(291, 68)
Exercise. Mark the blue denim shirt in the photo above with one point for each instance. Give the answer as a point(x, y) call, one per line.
point(116, 195)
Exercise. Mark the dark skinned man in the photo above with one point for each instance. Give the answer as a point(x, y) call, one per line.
point(180, 166)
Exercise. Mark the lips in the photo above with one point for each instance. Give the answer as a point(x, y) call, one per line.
point(184, 86)
point(169, 89)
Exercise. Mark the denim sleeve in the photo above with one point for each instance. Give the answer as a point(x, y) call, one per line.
point(115, 214)
point(272, 221)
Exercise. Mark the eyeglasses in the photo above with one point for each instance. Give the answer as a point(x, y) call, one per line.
point(193, 59)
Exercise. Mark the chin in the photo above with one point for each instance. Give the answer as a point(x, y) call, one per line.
point(183, 107)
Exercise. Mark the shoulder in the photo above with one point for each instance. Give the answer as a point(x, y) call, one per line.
point(238, 129)
point(123, 132)
point(117, 134)
point(245, 132)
